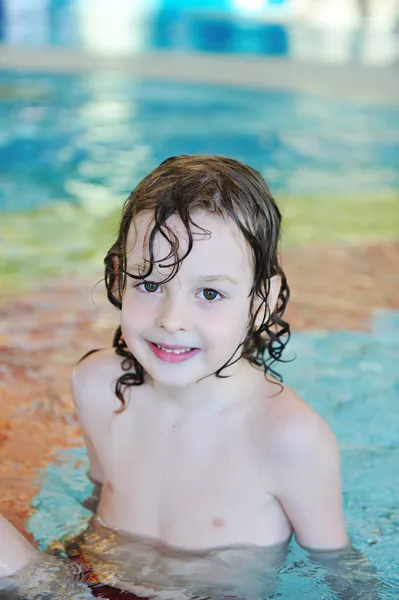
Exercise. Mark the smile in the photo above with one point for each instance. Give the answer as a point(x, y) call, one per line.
point(177, 351)
point(173, 354)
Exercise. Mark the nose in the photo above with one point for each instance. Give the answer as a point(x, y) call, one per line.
point(173, 315)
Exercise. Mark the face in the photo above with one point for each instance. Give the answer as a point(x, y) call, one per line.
point(205, 307)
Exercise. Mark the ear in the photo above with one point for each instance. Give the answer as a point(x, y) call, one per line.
point(275, 286)
point(268, 308)
point(115, 287)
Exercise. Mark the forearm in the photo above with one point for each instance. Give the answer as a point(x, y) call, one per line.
point(15, 551)
point(350, 575)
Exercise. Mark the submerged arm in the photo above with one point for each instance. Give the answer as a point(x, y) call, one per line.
point(350, 575)
point(309, 489)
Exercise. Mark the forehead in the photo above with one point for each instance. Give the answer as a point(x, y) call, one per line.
point(221, 247)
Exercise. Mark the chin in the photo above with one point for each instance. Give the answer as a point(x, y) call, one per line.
point(172, 377)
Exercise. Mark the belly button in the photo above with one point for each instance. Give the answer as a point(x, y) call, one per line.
point(218, 522)
point(109, 486)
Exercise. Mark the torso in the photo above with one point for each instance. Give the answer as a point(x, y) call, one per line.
point(192, 483)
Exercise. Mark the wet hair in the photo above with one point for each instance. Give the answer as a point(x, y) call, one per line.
point(180, 186)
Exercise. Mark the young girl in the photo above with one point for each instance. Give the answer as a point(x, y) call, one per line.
point(206, 462)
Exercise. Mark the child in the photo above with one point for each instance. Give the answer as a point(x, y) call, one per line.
point(196, 444)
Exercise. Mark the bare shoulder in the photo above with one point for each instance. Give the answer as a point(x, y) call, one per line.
point(93, 381)
point(301, 462)
point(93, 390)
point(290, 430)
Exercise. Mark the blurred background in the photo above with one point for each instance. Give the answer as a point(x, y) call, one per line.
point(94, 94)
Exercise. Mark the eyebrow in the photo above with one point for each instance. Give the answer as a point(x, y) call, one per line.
point(205, 278)
point(136, 268)
point(212, 278)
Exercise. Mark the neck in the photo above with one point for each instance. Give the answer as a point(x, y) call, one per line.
point(211, 394)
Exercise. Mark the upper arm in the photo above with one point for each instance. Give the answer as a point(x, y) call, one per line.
point(308, 482)
point(86, 395)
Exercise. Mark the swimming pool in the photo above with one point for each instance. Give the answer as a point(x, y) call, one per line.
point(71, 148)
point(89, 138)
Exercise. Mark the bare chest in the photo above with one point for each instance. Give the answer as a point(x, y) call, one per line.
point(191, 483)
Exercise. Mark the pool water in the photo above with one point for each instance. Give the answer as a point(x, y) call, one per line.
point(89, 138)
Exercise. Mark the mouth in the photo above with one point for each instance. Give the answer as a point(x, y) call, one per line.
point(169, 353)
point(174, 349)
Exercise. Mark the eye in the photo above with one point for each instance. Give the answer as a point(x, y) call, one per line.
point(149, 286)
point(210, 294)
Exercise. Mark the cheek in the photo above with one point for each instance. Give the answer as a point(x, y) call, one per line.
point(134, 316)
point(228, 325)
point(128, 330)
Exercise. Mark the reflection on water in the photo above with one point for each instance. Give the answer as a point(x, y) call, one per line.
point(132, 563)
point(88, 140)
point(50, 579)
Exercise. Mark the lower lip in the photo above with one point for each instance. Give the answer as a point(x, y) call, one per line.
point(170, 357)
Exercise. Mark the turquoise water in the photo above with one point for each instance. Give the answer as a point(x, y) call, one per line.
point(88, 139)
point(351, 379)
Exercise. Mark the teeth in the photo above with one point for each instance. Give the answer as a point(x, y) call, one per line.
point(174, 351)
